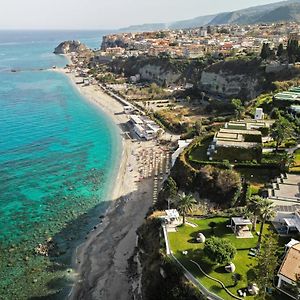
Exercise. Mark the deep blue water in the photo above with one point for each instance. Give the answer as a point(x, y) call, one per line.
point(57, 151)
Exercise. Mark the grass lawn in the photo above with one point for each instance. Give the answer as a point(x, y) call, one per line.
point(199, 153)
point(257, 177)
point(184, 239)
point(296, 167)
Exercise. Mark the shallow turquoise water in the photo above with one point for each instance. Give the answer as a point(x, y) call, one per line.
point(57, 158)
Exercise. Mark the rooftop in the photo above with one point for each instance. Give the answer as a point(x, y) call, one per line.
point(290, 267)
point(241, 221)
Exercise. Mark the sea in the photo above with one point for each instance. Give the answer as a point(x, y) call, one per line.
point(58, 157)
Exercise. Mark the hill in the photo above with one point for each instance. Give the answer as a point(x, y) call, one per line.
point(274, 12)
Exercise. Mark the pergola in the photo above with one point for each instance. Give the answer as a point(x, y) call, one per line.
point(239, 222)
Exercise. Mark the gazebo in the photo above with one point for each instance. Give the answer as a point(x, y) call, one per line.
point(240, 227)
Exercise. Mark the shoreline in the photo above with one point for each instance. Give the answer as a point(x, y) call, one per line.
point(100, 263)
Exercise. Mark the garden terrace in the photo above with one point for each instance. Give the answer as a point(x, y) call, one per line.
point(185, 240)
point(292, 96)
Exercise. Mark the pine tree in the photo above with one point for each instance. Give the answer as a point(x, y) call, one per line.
point(280, 50)
point(293, 50)
point(267, 262)
point(265, 51)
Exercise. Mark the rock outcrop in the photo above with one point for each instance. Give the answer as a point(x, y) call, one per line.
point(69, 47)
point(111, 41)
point(236, 78)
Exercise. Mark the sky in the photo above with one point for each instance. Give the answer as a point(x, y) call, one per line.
point(108, 14)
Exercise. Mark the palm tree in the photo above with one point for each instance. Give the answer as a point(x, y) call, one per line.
point(185, 204)
point(266, 213)
point(253, 209)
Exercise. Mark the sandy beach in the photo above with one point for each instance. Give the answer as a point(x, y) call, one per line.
point(101, 263)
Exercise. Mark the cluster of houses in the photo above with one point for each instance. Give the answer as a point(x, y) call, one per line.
point(194, 43)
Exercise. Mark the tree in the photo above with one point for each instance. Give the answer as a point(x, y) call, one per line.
point(219, 250)
point(280, 50)
point(293, 50)
point(170, 190)
point(275, 113)
point(266, 213)
point(253, 207)
point(267, 262)
point(209, 30)
point(199, 127)
point(239, 108)
point(265, 51)
point(281, 130)
point(212, 225)
point(185, 204)
point(289, 161)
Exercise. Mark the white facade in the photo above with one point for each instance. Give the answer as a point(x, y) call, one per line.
point(144, 127)
point(259, 114)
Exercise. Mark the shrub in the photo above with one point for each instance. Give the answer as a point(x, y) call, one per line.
point(219, 250)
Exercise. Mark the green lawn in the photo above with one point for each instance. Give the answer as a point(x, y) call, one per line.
point(296, 167)
point(199, 153)
point(257, 177)
point(183, 240)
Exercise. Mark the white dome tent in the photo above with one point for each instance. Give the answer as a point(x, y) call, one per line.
point(230, 268)
point(200, 237)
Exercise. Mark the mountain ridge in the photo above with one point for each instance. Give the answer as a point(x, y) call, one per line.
point(274, 12)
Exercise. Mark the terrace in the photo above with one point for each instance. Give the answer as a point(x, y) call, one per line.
point(292, 95)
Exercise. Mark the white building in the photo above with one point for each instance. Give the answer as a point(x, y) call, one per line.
point(144, 127)
point(259, 114)
point(203, 32)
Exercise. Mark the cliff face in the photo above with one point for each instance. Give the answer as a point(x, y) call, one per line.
point(158, 74)
point(159, 70)
point(70, 46)
point(238, 78)
point(242, 86)
point(111, 41)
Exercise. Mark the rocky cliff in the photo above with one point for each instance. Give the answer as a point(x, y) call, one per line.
point(236, 78)
point(159, 70)
point(111, 41)
point(69, 47)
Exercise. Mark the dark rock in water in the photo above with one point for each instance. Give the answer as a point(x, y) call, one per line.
point(70, 46)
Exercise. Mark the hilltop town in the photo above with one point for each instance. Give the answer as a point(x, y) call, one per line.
point(225, 40)
point(223, 103)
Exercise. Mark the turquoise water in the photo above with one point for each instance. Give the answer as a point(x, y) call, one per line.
point(57, 158)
